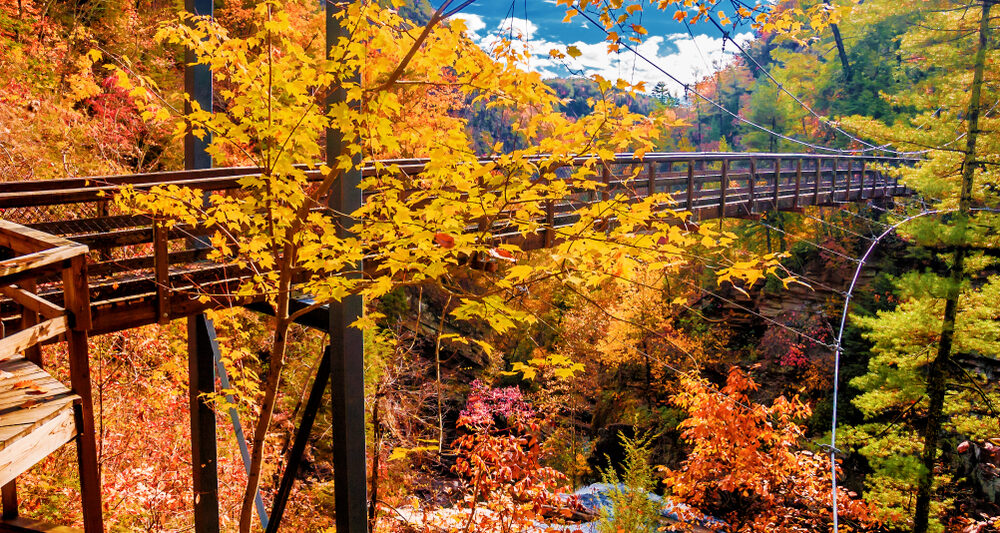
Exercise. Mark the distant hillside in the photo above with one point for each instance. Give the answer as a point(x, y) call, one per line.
point(579, 90)
point(489, 126)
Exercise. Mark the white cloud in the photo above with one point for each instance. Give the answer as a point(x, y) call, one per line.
point(521, 27)
point(685, 58)
point(473, 24)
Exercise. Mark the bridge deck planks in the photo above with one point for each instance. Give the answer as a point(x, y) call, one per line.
point(36, 416)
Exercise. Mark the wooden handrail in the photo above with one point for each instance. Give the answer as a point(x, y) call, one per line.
point(40, 255)
point(99, 188)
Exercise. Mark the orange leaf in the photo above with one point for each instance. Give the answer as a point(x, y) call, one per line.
point(680, 15)
point(444, 240)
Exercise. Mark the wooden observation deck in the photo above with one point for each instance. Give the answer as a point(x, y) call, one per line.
point(72, 266)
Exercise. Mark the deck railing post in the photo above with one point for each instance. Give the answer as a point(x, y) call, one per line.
point(835, 165)
point(850, 177)
point(864, 168)
point(651, 177)
point(751, 183)
point(819, 180)
point(861, 195)
point(798, 183)
point(777, 183)
point(690, 185)
point(550, 223)
point(723, 185)
point(606, 180)
point(102, 212)
point(161, 270)
point(76, 300)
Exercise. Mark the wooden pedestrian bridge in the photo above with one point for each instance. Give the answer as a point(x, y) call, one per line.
point(71, 266)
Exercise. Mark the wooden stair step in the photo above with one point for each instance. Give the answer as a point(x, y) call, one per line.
point(36, 416)
point(28, 525)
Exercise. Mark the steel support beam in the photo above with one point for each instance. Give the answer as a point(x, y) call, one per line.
point(299, 444)
point(204, 463)
point(201, 360)
point(346, 342)
point(197, 84)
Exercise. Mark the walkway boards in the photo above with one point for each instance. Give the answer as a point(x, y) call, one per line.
point(36, 416)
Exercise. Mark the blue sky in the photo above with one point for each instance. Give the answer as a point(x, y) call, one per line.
point(668, 43)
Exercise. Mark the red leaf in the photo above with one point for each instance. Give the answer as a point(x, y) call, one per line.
point(501, 254)
point(444, 240)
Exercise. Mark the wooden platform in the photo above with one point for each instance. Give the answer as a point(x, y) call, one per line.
point(27, 525)
point(36, 416)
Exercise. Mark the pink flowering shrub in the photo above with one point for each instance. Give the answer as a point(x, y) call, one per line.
point(488, 407)
point(796, 348)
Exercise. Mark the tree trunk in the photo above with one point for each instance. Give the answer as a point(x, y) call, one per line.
point(848, 75)
point(938, 373)
point(275, 366)
point(376, 455)
point(437, 376)
point(841, 52)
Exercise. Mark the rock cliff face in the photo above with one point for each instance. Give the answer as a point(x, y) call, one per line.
point(820, 294)
point(980, 465)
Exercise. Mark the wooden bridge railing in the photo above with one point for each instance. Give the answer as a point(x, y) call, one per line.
point(141, 272)
point(38, 414)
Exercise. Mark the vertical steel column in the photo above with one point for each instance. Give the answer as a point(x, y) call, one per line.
point(346, 342)
point(204, 463)
point(201, 364)
point(197, 84)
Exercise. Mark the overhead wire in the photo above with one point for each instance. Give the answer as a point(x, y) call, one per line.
point(460, 7)
point(868, 146)
point(827, 223)
point(807, 241)
point(648, 356)
point(755, 313)
point(712, 102)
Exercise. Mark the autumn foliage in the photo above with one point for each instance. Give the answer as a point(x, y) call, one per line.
point(747, 464)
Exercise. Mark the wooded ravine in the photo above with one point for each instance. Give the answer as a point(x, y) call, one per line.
point(350, 266)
